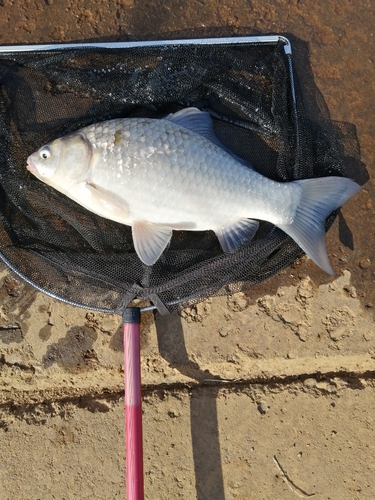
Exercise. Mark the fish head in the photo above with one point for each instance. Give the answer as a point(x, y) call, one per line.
point(62, 162)
point(44, 162)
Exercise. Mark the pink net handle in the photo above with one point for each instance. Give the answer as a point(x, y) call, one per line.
point(133, 404)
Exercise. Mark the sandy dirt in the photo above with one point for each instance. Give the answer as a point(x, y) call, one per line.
point(262, 395)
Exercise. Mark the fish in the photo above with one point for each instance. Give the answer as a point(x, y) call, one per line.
point(173, 174)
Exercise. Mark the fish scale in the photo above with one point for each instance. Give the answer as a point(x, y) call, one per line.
point(174, 174)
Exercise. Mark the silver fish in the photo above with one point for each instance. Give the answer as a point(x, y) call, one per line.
point(174, 174)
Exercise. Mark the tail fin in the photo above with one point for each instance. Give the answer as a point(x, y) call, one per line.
point(318, 199)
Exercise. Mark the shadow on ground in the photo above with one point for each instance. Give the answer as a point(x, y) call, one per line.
point(203, 410)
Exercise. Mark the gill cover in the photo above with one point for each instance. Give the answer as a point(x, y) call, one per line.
point(74, 160)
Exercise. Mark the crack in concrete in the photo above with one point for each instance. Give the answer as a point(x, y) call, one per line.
point(83, 395)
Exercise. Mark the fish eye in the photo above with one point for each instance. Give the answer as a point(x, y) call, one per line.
point(45, 153)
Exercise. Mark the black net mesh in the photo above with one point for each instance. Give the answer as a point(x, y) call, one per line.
point(81, 257)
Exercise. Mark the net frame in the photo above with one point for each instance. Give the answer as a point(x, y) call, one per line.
point(165, 306)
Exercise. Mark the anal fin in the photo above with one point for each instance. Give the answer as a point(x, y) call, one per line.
point(236, 234)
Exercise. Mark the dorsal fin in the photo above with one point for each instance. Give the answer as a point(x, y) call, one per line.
point(197, 121)
point(200, 122)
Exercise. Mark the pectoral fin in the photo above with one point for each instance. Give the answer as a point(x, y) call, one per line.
point(150, 240)
point(235, 234)
point(99, 201)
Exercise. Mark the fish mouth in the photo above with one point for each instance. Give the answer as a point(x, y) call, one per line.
point(30, 165)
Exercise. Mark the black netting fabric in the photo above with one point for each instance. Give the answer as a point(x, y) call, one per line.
point(78, 256)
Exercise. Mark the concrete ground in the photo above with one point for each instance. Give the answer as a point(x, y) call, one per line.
point(263, 395)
